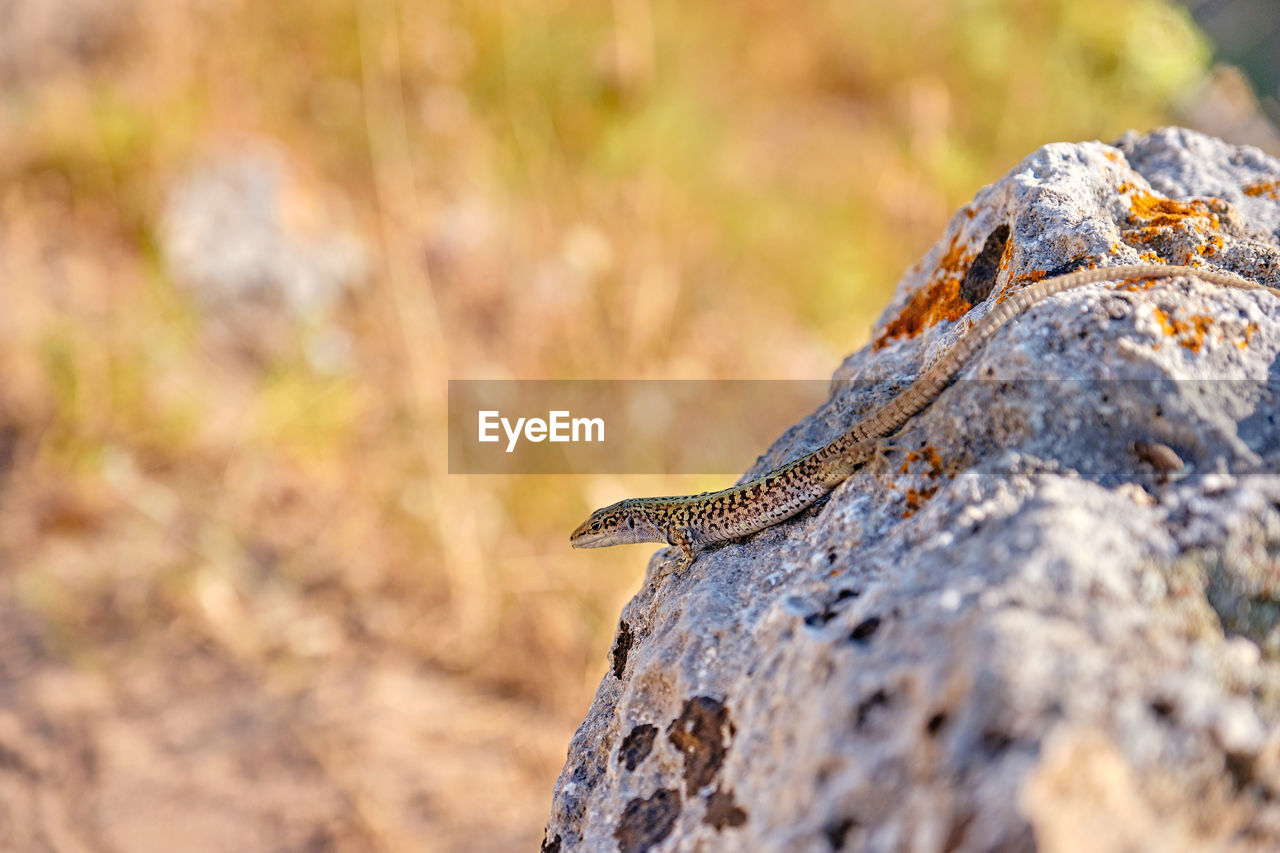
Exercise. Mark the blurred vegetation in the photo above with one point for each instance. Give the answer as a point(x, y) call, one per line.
point(545, 188)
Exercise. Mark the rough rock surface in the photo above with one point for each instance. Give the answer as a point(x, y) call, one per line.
point(1049, 621)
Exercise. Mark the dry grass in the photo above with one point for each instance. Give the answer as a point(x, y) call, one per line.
point(239, 562)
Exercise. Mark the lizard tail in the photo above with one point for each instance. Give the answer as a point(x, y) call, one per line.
point(849, 452)
point(919, 394)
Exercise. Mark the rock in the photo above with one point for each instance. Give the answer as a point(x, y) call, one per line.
point(1016, 632)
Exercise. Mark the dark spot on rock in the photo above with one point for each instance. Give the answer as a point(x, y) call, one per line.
point(1241, 769)
point(637, 745)
point(550, 846)
point(817, 620)
point(1162, 707)
point(863, 630)
point(981, 275)
point(876, 700)
point(645, 823)
point(702, 733)
point(936, 722)
point(621, 648)
point(837, 832)
point(828, 612)
point(995, 742)
point(1063, 269)
point(722, 812)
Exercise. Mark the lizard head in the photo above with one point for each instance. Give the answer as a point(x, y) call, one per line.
point(623, 523)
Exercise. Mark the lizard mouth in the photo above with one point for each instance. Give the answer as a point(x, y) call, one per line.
point(584, 538)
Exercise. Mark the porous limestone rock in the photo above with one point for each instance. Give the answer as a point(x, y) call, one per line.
point(1048, 620)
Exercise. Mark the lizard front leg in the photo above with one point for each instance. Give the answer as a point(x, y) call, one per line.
point(684, 539)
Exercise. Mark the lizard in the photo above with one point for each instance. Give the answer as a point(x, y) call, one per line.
point(694, 522)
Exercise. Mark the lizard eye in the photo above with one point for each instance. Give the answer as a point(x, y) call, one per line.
point(595, 526)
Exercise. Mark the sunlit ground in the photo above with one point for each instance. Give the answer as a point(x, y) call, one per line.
point(243, 247)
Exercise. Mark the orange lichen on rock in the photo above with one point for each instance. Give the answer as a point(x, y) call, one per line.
point(1189, 332)
point(1249, 330)
point(939, 302)
point(1030, 277)
point(1133, 285)
point(1211, 246)
point(1167, 231)
point(915, 499)
point(930, 455)
point(1155, 212)
point(1270, 188)
point(1006, 258)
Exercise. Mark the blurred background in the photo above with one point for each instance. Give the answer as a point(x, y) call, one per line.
point(243, 247)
